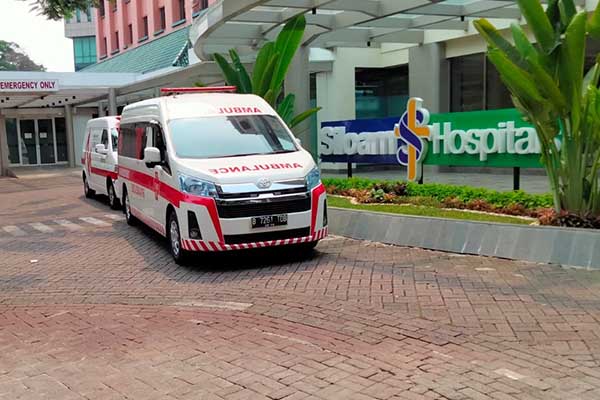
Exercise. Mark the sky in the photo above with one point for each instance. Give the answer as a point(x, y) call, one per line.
point(43, 40)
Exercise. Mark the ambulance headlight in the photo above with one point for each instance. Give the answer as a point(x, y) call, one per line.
point(313, 179)
point(197, 187)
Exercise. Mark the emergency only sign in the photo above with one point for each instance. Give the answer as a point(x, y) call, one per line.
point(28, 85)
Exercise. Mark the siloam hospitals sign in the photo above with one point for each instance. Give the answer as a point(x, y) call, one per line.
point(494, 138)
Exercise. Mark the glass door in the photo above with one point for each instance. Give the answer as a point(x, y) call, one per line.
point(45, 134)
point(28, 142)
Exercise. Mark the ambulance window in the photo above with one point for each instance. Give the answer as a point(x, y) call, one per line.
point(230, 136)
point(133, 139)
point(159, 142)
point(141, 137)
point(114, 136)
point(104, 139)
point(127, 142)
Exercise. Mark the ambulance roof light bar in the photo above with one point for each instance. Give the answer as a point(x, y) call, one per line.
point(207, 89)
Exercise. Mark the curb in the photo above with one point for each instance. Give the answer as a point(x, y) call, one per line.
point(564, 246)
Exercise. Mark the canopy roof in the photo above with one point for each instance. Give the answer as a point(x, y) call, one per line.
point(339, 23)
point(70, 88)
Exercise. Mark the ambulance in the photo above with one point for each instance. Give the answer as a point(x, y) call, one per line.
point(99, 159)
point(211, 170)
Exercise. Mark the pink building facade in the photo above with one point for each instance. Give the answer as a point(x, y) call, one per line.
point(122, 25)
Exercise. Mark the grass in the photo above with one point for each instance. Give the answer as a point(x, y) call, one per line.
point(341, 202)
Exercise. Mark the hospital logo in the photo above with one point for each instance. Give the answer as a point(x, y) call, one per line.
point(412, 134)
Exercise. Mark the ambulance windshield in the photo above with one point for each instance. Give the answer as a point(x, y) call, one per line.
point(230, 136)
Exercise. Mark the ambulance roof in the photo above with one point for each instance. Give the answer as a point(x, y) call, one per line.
point(195, 105)
point(104, 122)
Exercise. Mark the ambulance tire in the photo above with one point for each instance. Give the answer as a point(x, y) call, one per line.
point(174, 237)
point(308, 247)
point(113, 200)
point(131, 220)
point(89, 192)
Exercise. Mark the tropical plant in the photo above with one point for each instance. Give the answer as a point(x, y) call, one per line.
point(58, 9)
point(271, 66)
point(547, 83)
point(14, 58)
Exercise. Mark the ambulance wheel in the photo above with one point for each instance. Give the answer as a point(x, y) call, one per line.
point(89, 193)
point(308, 247)
point(131, 220)
point(113, 200)
point(174, 237)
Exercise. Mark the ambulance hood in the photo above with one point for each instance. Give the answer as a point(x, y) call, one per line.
point(248, 169)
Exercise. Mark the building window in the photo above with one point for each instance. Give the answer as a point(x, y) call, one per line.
point(61, 139)
point(145, 27)
point(117, 46)
point(130, 30)
point(104, 47)
point(12, 137)
point(466, 82)
point(84, 49)
point(162, 23)
point(101, 8)
point(114, 4)
point(475, 85)
point(88, 14)
point(381, 92)
point(78, 15)
point(181, 11)
point(198, 5)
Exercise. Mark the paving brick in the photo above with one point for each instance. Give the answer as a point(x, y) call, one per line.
point(106, 314)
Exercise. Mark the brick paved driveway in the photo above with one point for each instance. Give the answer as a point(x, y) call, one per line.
point(93, 309)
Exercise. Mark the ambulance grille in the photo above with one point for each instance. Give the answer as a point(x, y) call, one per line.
point(249, 209)
point(266, 236)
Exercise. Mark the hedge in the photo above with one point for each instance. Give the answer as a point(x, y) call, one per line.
point(442, 192)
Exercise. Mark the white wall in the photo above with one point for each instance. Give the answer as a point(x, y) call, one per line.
point(80, 119)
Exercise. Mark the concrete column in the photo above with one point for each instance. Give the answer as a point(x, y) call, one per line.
point(428, 75)
point(101, 112)
point(298, 82)
point(3, 148)
point(336, 94)
point(112, 101)
point(70, 135)
point(336, 89)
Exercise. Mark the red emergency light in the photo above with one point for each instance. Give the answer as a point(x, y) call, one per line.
point(208, 89)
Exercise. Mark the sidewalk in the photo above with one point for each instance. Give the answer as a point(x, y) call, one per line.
point(45, 171)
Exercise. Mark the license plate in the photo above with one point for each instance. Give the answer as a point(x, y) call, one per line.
point(268, 221)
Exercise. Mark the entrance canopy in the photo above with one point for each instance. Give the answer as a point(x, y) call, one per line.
point(23, 90)
point(338, 23)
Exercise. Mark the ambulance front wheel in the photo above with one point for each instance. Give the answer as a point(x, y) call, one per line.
point(131, 220)
point(174, 237)
point(307, 247)
point(89, 193)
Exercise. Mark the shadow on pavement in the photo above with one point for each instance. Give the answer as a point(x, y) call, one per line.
point(266, 260)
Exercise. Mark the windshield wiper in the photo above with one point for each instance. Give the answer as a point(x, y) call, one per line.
point(282, 151)
point(260, 154)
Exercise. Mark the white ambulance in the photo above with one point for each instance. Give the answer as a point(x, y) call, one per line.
point(99, 159)
point(215, 171)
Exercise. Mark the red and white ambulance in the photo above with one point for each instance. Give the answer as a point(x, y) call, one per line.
point(99, 159)
point(215, 171)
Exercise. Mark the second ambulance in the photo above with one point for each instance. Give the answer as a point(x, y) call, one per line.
point(215, 171)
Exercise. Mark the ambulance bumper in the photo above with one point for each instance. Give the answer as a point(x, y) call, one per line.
point(219, 227)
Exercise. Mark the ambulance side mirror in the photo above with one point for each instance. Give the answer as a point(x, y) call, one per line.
point(101, 149)
point(151, 156)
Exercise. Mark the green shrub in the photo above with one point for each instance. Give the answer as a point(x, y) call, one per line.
point(441, 192)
